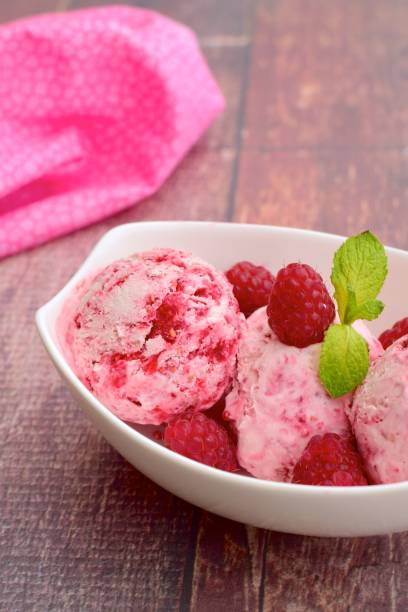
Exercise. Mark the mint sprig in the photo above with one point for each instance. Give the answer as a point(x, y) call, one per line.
point(358, 274)
point(359, 271)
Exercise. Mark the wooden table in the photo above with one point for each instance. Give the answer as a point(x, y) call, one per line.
point(315, 135)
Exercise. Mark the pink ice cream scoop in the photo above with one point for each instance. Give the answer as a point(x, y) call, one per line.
point(278, 403)
point(154, 335)
point(375, 348)
point(379, 415)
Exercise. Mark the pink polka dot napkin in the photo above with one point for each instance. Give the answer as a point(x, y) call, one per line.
point(96, 109)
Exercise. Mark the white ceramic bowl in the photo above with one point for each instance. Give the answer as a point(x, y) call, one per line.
point(321, 511)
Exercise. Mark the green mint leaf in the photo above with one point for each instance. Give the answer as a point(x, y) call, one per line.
point(369, 311)
point(351, 307)
point(344, 360)
point(359, 271)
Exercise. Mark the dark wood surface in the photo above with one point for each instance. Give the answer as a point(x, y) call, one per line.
point(315, 135)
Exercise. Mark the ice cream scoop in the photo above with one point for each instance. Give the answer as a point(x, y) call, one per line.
point(379, 415)
point(153, 335)
point(278, 402)
point(375, 347)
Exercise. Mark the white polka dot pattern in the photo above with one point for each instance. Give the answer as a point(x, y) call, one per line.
point(96, 109)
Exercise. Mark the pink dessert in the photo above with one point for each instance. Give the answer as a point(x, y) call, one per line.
point(154, 335)
point(379, 415)
point(375, 347)
point(278, 402)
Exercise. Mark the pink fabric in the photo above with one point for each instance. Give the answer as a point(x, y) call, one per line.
point(96, 109)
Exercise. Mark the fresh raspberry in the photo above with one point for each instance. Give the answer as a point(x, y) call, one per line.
point(252, 285)
point(330, 460)
point(300, 308)
point(400, 328)
point(202, 439)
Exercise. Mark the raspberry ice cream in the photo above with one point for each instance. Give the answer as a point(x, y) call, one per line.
point(379, 415)
point(278, 403)
point(375, 347)
point(154, 335)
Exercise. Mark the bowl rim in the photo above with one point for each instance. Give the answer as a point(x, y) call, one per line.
point(255, 484)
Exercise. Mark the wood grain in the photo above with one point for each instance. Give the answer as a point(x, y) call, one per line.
point(320, 574)
point(336, 191)
point(328, 75)
point(228, 566)
point(314, 135)
point(21, 8)
point(209, 19)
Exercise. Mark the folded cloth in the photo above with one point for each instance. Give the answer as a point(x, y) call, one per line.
point(96, 109)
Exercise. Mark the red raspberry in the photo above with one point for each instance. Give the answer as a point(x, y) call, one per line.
point(300, 308)
point(400, 328)
point(202, 439)
point(252, 285)
point(330, 460)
